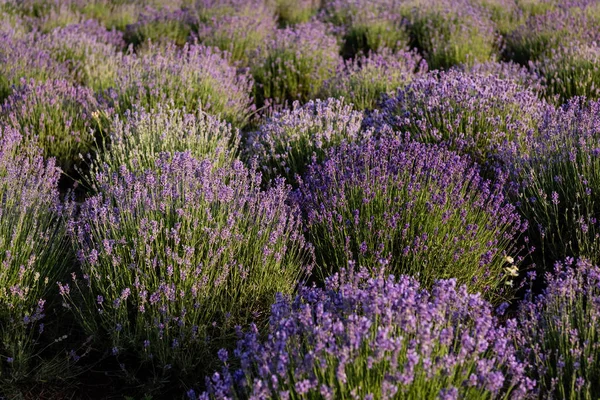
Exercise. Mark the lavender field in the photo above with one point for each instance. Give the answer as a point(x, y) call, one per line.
point(300, 199)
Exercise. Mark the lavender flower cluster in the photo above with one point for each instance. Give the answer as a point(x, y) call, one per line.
point(362, 337)
point(286, 143)
point(477, 114)
point(170, 258)
point(193, 76)
point(410, 209)
point(34, 252)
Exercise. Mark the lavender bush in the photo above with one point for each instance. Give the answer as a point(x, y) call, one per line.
point(480, 115)
point(542, 32)
point(379, 338)
point(411, 209)
point(292, 12)
point(33, 254)
point(558, 178)
point(571, 71)
point(58, 115)
point(161, 25)
point(294, 63)
point(463, 35)
point(88, 50)
point(287, 142)
point(20, 58)
point(559, 331)
point(136, 139)
point(511, 71)
point(191, 77)
point(367, 26)
point(112, 14)
point(240, 31)
point(173, 258)
point(363, 80)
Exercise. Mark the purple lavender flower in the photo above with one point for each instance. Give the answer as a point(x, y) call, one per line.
point(375, 331)
point(367, 26)
point(451, 32)
point(363, 80)
point(21, 58)
point(556, 181)
point(480, 115)
point(34, 253)
point(161, 25)
point(137, 137)
point(236, 26)
point(541, 32)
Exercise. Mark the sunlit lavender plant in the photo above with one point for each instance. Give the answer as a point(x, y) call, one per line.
point(411, 208)
point(58, 115)
point(239, 31)
point(21, 58)
point(560, 331)
point(294, 63)
point(367, 26)
point(451, 32)
point(193, 77)
point(171, 259)
point(287, 142)
point(292, 12)
point(480, 115)
point(570, 71)
point(161, 25)
point(135, 140)
point(363, 80)
point(558, 180)
point(112, 14)
point(511, 71)
point(88, 50)
point(381, 338)
point(542, 32)
point(33, 254)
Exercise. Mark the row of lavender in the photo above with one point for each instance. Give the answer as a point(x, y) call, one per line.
point(292, 50)
point(462, 184)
